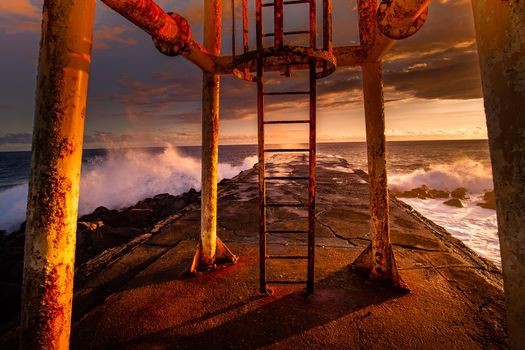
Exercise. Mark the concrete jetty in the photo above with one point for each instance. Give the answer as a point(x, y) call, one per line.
point(144, 300)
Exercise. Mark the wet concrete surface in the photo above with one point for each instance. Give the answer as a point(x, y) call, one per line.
point(144, 301)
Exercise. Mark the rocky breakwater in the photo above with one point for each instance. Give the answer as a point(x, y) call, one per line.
point(453, 198)
point(102, 236)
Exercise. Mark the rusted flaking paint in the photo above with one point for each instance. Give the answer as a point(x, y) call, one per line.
point(64, 61)
point(182, 45)
point(399, 19)
point(165, 30)
point(378, 259)
point(211, 252)
point(500, 36)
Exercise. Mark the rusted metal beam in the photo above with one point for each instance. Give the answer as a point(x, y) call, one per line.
point(378, 259)
point(211, 251)
point(47, 289)
point(500, 34)
point(171, 32)
point(399, 19)
point(373, 43)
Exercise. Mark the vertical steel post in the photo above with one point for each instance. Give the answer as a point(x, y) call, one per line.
point(65, 57)
point(500, 34)
point(376, 152)
point(278, 23)
point(327, 25)
point(311, 183)
point(312, 151)
point(245, 42)
point(262, 167)
point(210, 134)
point(233, 28)
point(378, 259)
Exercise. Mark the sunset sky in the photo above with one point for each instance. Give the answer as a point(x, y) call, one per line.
point(139, 97)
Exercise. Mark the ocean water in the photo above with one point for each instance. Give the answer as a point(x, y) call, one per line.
point(119, 178)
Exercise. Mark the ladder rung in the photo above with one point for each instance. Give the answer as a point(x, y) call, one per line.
point(293, 205)
point(287, 257)
point(294, 32)
point(291, 2)
point(287, 150)
point(287, 93)
point(286, 178)
point(286, 282)
point(287, 122)
point(285, 231)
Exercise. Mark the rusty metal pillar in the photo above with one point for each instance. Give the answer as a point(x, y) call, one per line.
point(378, 259)
point(500, 34)
point(50, 236)
point(211, 250)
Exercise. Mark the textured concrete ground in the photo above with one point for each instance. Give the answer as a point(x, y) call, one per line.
point(143, 301)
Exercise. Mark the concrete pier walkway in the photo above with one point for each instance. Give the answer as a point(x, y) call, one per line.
point(143, 301)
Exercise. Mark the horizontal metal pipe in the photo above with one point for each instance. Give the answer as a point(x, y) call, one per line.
point(399, 19)
point(346, 56)
point(171, 32)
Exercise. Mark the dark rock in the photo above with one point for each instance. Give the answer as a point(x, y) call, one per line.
point(123, 232)
point(454, 202)
point(438, 194)
point(136, 217)
point(422, 192)
point(459, 193)
point(490, 200)
point(108, 216)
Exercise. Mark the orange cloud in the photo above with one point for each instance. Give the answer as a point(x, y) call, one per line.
point(19, 16)
point(105, 34)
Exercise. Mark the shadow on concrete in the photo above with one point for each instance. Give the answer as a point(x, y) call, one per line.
point(260, 321)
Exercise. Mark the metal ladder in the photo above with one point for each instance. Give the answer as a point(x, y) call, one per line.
point(278, 35)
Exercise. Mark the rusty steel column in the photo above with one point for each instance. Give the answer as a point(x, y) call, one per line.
point(378, 259)
point(211, 250)
point(50, 236)
point(500, 34)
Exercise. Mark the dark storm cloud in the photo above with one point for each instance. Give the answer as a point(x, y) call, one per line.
point(133, 86)
point(444, 79)
point(439, 62)
point(15, 139)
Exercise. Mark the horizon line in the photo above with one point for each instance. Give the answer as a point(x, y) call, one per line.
point(255, 144)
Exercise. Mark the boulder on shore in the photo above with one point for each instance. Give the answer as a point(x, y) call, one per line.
point(454, 202)
point(424, 192)
point(490, 201)
point(459, 193)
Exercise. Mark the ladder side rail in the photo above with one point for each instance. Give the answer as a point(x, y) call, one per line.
point(262, 167)
point(311, 182)
point(312, 154)
point(278, 23)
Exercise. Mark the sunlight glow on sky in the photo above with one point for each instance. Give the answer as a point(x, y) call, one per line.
point(138, 97)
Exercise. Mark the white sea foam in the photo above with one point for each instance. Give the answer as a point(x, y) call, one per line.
point(472, 175)
point(121, 179)
point(13, 202)
point(475, 226)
